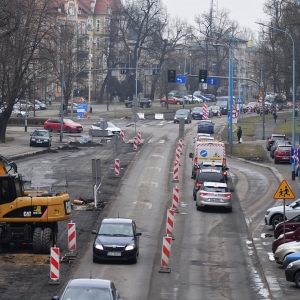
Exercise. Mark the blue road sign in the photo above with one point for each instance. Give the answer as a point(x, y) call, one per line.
point(212, 81)
point(181, 79)
point(295, 155)
point(239, 100)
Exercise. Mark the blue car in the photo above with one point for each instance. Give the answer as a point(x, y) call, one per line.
point(290, 258)
point(206, 126)
point(205, 99)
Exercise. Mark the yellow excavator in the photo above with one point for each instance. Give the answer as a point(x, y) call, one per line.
point(29, 216)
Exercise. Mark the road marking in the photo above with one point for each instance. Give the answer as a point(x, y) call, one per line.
point(157, 168)
point(151, 182)
point(157, 155)
point(146, 203)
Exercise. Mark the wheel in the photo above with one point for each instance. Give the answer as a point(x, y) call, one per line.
point(47, 240)
point(49, 128)
point(37, 240)
point(129, 105)
point(178, 103)
point(199, 208)
point(276, 219)
point(275, 161)
point(229, 209)
point(134, 260)
point(30, 108)
point(31, 144)
point(194, 195)
point(95, 259)
point(297, 279)
point(68, 130)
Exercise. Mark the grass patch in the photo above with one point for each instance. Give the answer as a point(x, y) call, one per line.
point(248, 132)
point(248, 152)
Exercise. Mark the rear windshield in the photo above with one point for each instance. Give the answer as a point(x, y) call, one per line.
point(212, 167)
point(215, 189)
point(276, 138)
point(212, 177)
point(284, 148)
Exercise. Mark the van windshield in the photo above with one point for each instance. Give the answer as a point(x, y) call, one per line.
point(222, 102)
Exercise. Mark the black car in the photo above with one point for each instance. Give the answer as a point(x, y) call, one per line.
point(274, 137)
point(183, 114)
point(210, 175)
point(40, 137)
point(89, 288)
point(116, 239)
point(142, 102)
point(292, 272)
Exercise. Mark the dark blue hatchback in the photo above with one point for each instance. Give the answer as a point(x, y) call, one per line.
point(206, 126)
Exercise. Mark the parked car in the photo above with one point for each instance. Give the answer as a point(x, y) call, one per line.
point(19, 113)
point(282, 154)
point(77, 100)
point(205, 99)
point(274, 137)
point(270, 96)
point(111, 128)
point(289, 225)
point(41, 105)
point(241, 108)
point(210, 96)
point(210, 175)
point(40, 137)
point(73, 107)
point(259, 109)
point(290, 258)
point(215, 109)
point(286, 249)
point(23, 104)
point(206, 126)
point(286, 238)
point(68, 125)
point(171, 100)
point(197, 93)
point(89, 288)
point(190, 99)
point(142, 102)
point(183, 114)
point(214, 194)
point(274, 215)
point(116, 239)
point(276, 144)
point(252, 106)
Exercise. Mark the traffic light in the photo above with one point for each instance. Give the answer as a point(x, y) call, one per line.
point(171, 75)
point(203, 76)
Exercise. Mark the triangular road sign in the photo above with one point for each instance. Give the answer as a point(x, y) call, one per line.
point(284, 191)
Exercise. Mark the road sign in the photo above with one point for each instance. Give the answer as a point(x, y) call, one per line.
point(284, 191)
point(204, 86)
point(235, 114)
point(181, 79)
point(239, 100)
point(212, 81)
point(295, 155)
point(234, 128)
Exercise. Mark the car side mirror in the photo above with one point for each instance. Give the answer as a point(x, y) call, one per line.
point(94, 232)
point(138, 234)
point(191, 155)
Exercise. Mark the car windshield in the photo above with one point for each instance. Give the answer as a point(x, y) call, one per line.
point(86, 293)
point(68, 121)
point(181, 112)
point(214, 107)
point(216, 189)
point(116, 229)
point(252, 103)
point(284, 148)
point(278, 138)
point(197, 109)
point(212, 167)
point(205, 123)
point(41, 133)
point(210, 176)
point(222, 102)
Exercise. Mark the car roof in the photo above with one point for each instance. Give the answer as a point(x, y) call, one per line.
point(116, 220)
point(278, 135)
point(210, 171)
point(90, 282)
point(211, 183)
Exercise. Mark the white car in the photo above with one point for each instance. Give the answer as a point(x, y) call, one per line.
point(274, 215)
point(285, 249)
point(19, 113)
point(112, 129)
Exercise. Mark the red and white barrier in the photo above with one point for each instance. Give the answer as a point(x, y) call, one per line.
point(54, 266)
point(71, 236)
point(170, 221)
point(117, 167)
point(176, 171)
point(165, 256)
point(135, 143)
point(177, 155)
point(180, 145)
point(139, 137)
point(205, 114)
point(122, 134)
point(175, 199)
point(219, 113)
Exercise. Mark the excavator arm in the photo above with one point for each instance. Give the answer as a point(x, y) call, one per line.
point(6, 166)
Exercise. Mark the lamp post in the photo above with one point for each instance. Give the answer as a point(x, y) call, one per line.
point(90, 77)
point(294, 88)
point(62, 101)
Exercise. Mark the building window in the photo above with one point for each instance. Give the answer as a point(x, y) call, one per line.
point(98, 25)
point(71, 10)
point(98, 43)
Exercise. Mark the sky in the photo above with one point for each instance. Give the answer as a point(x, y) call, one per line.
point(246, 12)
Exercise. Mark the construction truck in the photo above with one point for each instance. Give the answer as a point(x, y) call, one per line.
point(29, 216)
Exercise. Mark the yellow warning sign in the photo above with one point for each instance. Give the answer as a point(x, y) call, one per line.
point(284, 191)
point(216, 154)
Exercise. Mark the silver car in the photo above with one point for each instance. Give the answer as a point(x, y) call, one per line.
point(214, 194)
point(286, 249)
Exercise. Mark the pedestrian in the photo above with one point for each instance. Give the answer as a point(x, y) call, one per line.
point(50, 100)
point(274, 115)
point(239, 134)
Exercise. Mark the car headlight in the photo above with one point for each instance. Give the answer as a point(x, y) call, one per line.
point(33, 139)
point(98, 246)
point(290, 265)
point(130, 247)
point(110, 132)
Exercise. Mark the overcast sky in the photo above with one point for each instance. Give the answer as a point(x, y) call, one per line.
point(246, 12)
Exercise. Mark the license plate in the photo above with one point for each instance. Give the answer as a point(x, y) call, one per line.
point(285, 158)
point(39, 142)
point(114, 254)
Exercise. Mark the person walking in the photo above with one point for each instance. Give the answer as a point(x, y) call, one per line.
point(274, 115)
point(239, 134)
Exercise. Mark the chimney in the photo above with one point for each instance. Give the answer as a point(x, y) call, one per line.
point(93, 3)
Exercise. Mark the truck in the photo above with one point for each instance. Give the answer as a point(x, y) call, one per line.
point(142, 102)
point(207, 152)
point(29, 216)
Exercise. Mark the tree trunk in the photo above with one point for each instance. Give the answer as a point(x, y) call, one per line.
point(3, 124)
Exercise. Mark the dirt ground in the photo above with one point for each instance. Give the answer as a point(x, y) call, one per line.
point(26, 276)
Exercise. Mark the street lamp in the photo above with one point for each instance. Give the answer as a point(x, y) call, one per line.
point(294, 89)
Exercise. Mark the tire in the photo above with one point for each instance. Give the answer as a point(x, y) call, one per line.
point(30, 108)
point(297, 279)
point(95, 259)
point(68, 130)
point(276, 219)
point(194, 196)
point(49, 128)
point(129, 105)
point(134, 260)
point(275, 161)
point(199, 208)
point(229, 209)
point(37, 240)
point(31, 144)
point(177, 103)
point(47, 240)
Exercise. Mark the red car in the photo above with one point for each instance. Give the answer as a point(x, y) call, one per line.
point(292, 236)
point(282, 153)
point(290, 225)
point(68, 125)
point(171, 100)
